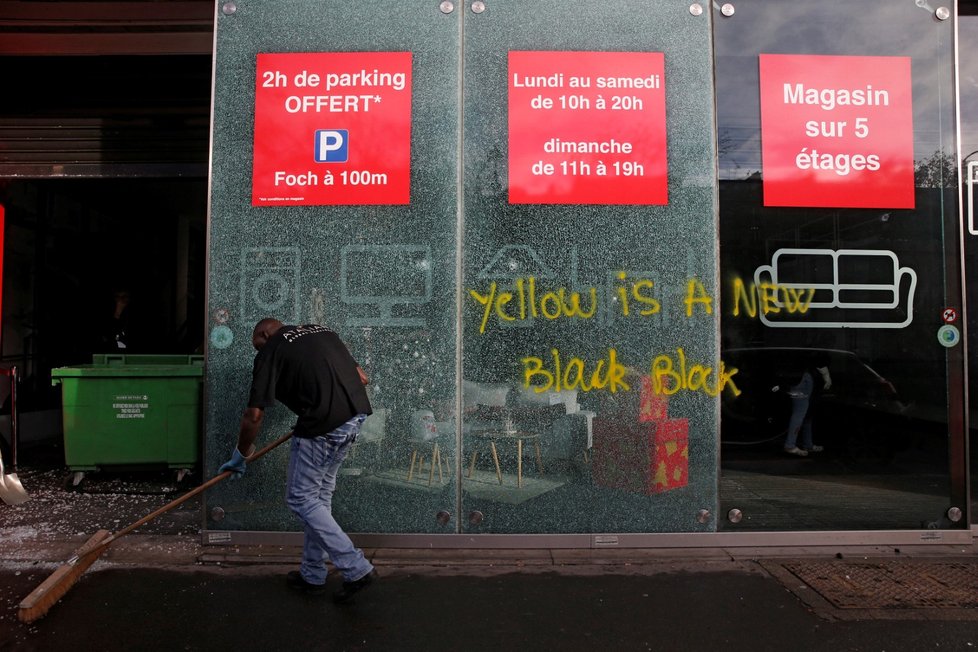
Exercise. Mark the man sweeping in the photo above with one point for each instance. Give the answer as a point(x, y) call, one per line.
point(310, 370)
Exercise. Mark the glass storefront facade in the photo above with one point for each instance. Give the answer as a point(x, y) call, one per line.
point(890, 421)
point(601, 264)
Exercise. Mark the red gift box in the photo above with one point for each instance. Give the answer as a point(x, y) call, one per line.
point(652, 406)
point(646, 458)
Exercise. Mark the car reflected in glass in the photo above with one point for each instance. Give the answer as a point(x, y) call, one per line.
point(861, 415)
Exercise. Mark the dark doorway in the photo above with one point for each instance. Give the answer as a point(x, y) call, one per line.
point(72, 243)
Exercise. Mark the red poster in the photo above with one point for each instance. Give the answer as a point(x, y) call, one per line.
point(837, 131)
point(332, 128)
point(587, 128)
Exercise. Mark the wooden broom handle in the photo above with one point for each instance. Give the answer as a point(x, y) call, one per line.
point(190, 494)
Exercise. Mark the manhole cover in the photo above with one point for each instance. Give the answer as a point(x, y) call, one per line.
point(889, 584)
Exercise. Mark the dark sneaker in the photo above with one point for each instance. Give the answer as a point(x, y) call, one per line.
point(346, 592)
point(295, 580)
point(815, 449)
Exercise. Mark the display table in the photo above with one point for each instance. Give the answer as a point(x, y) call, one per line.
point(518, 436)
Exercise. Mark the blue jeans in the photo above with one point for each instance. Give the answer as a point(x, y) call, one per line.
point(313, 466)
point(801, 418)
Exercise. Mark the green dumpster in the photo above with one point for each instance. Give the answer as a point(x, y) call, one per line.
point(128, 410)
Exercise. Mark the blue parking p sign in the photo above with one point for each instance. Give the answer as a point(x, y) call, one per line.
point(332, 145)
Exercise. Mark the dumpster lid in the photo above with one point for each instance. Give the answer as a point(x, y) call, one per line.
point(142, 359)
point(117, 365)
point(128, 371)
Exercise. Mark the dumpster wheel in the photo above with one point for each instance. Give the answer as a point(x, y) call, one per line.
point(73, 481)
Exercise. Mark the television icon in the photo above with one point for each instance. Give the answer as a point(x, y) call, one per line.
point(386, 276)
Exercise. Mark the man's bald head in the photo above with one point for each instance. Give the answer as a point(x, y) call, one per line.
point(264, 330)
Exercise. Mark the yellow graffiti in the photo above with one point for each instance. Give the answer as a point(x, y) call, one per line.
point(527, 301)
point(555, 304)
point(652, 305)
point(770, 298)
point(573, 374)
point(670, 378)
point(696, 293)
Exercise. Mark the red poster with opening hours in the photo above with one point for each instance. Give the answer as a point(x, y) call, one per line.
point(587, 128)
point(332, 128)
point(837, 131)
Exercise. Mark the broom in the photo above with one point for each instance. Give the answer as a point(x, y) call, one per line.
point(41, 599)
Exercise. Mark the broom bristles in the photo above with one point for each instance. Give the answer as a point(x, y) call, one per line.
point(47, 594)
point(63, 578)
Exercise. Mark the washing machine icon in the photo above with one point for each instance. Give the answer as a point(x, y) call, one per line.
point(270, 283)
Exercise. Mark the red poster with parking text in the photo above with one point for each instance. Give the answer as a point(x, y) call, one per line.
point(332, 128)
point(587, 128)
point(837, 131)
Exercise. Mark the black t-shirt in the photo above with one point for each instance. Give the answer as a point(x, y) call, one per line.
point(310, 370)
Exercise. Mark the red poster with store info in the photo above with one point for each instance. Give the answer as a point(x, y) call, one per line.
point(332, 128)
point(837, 131)
point(587, 128)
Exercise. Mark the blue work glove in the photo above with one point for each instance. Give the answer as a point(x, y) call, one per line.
point(236, 465)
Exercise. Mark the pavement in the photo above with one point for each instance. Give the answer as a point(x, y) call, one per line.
point(161, 589)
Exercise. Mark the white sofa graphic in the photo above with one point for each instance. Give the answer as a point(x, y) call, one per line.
point(971, 182)
point(848, 288)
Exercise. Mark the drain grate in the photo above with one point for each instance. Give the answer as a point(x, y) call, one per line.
point(891, 584)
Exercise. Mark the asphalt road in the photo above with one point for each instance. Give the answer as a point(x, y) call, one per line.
point(147, 593)
point(729, 607)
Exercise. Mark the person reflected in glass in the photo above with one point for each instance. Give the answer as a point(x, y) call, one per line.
point(815, 378)
point(115, 335)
